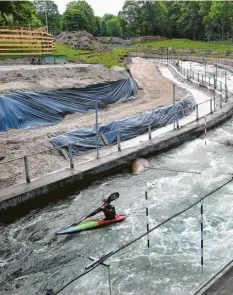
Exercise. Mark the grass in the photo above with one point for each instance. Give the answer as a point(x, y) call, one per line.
point(108, 59)
point(188, 44)
point(71, 54)
point(115, 57)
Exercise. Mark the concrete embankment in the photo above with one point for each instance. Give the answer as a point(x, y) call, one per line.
point(52, 185)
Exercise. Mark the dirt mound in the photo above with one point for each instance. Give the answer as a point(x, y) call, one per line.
point(148, 39)
point(113, 40)
point(81, 40)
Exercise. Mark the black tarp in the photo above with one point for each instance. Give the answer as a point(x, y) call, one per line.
point(84, 140)
point(25, 109)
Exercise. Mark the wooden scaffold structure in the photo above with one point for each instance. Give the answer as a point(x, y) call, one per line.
point(25, 42)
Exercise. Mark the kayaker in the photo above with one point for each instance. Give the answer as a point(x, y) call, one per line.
point(109, 211)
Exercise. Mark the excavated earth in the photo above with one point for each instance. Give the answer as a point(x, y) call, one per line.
point(81, 40)
point(155, 91)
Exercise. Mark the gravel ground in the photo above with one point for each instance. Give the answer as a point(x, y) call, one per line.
point(43, 77)
point(156, 91)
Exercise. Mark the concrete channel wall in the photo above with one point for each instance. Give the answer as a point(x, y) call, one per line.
point(21, 194)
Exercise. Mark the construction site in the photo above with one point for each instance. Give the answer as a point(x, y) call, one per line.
point(154, 130)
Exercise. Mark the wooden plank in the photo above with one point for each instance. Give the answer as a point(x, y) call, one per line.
point(32, 54)
point(25, 45)
point(26, 31)
point(33, 41)
point(24, 37)
point(25, 49)
point(104, 139)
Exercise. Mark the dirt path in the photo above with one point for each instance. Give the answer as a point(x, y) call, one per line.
point(156, 91)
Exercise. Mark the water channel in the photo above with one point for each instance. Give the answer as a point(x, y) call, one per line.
point(33, 259)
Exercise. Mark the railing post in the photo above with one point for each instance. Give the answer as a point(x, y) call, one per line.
point(209, 80)
point(214, 101)
point(197, 77)
point(226, 93)
point(205, 71)
point(149, 130)
point(211, 108)
point(26, 166)
point(202, 78)
point(118, 140)
point(221, 86)
point(71, 158)
point(96, 127)
point(221, 100)
point(174, 106)
point(197, 117)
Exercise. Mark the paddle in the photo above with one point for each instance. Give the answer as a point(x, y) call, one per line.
point(111, 198)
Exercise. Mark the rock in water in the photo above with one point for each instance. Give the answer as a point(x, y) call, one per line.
point(141, 165)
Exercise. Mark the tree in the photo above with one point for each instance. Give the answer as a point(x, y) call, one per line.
point(155, 18)
point(173, 14)
point(145, 18)
point(205, 7)
point(97, 31)
point(221, 18)
point(132, 15)
point(111, 25)
point(74, 19)
point(190, 23)
point(78, 12)
point(114, 27)
point(79, 15)
point(108, 16)
point(103, 28)
point(48, 13)
point(23, 13)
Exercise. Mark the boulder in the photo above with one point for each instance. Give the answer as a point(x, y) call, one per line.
point(140, 165)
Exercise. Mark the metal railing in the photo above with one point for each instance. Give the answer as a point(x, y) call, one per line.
point(173, 56)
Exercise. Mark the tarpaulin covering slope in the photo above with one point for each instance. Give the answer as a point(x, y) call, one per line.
point(31, 109)
point(84, 140)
